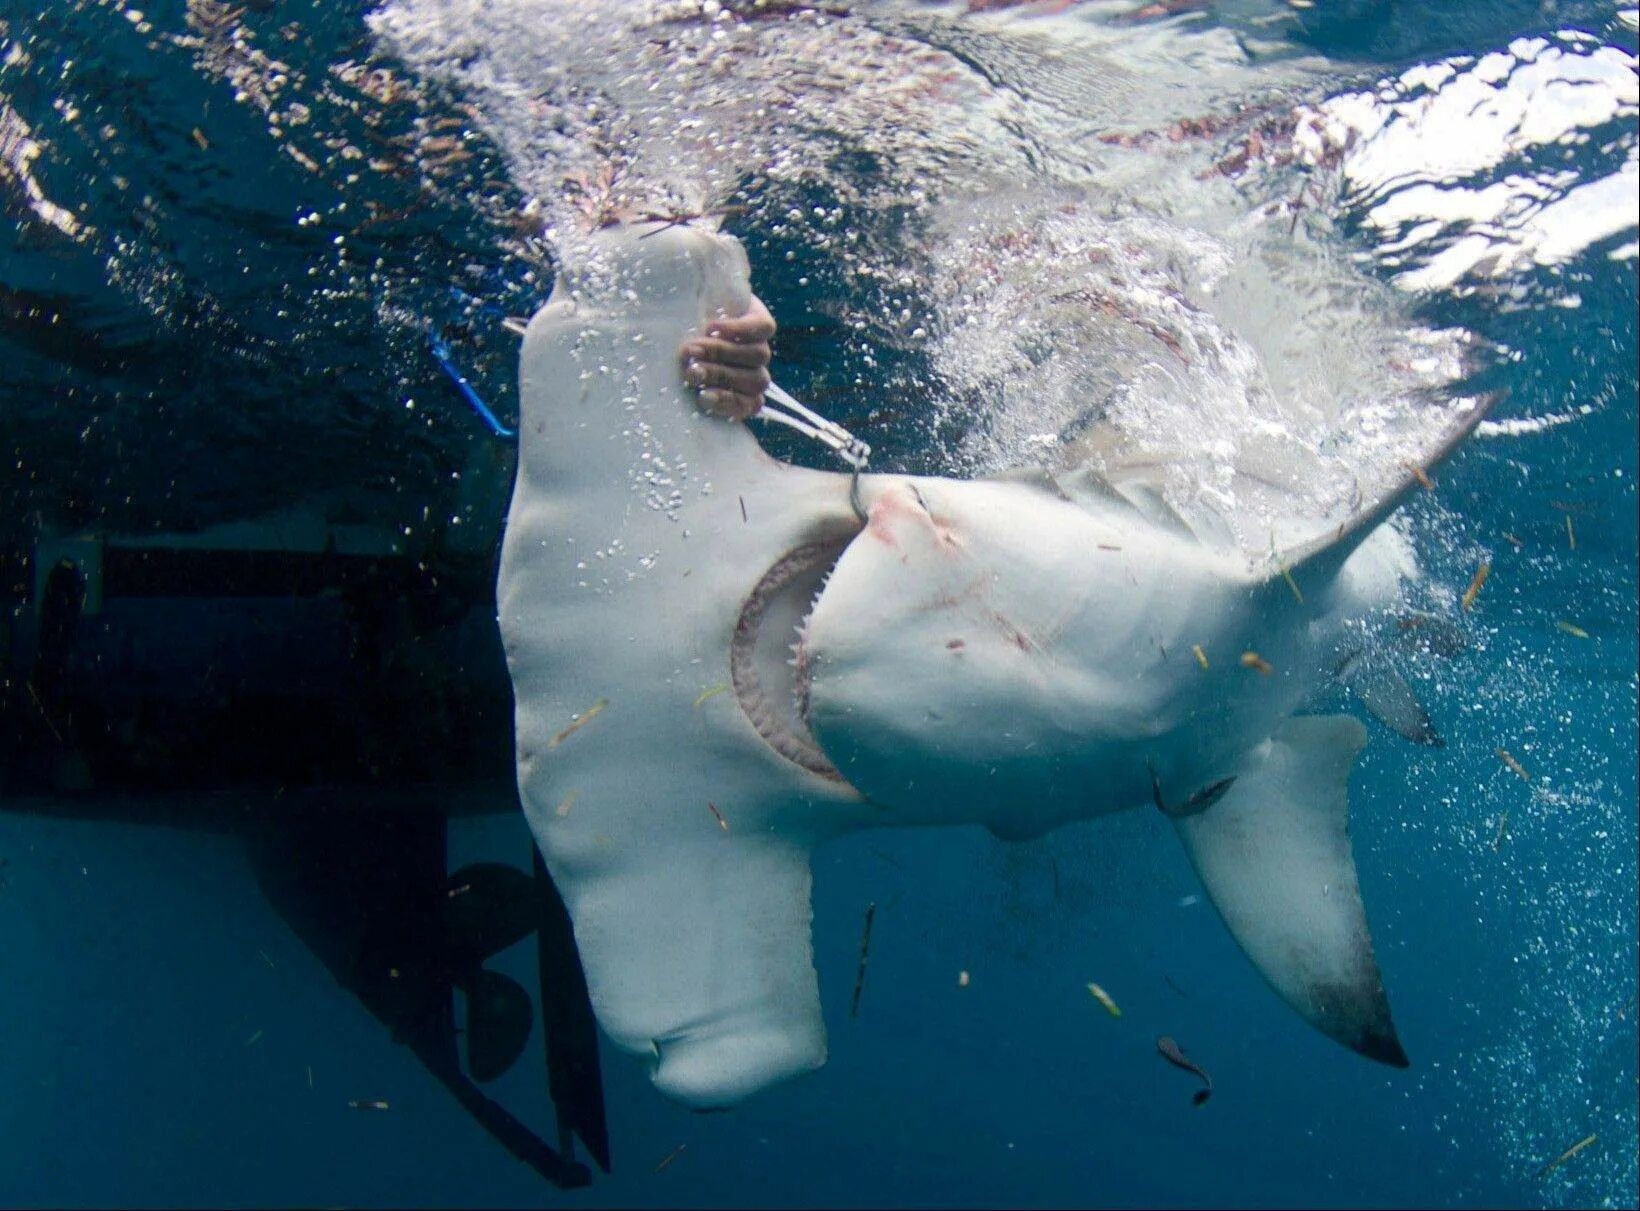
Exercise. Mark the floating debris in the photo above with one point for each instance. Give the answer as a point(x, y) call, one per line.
point(1201, 656)
point(670, 1157)
point(578, 722)
point(1419, 474)
point(1508, 759)
point(271, 964)
point(1572, 629)
point(1565, 1156)
point(567, 802)
point(1169, 1051)
point(1252, 660)
point(1571, 534)
point(1481, 573)
point(865, 951)
point(1291, 583)
point(370, 1104)
point(718, 816)
point(1512, 540)
point(310, 1076)
point(1104, 998)
point(962, 979)
point(254, 1038)
point(1175, 987)
point(708, 694)
point(200, 140)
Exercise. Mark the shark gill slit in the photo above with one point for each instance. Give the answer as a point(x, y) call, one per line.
point(773, 689)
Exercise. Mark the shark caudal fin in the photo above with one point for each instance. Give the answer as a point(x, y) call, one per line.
point(1274, 854)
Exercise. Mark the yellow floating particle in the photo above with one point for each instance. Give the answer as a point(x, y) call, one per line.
point(579, 722)
point(1104, 998)
point(567, 803)
point(1481, 573)
point(1252, 660)
point(1572, 629)
point(1201, 656)
point(1419, 474)
point(713, 692)
point(1566, 1156)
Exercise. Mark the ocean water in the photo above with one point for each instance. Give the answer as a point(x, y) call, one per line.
point(231, 231)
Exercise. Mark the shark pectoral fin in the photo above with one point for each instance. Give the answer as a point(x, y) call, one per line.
point(1274, 855)
point(699, 957)
point(1385, 693)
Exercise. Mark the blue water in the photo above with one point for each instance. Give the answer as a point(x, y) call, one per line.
point(170, 1042)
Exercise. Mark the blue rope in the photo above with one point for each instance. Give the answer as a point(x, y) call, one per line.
point(440, 350)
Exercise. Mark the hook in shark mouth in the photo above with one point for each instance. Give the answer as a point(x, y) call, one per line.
point(763, 657)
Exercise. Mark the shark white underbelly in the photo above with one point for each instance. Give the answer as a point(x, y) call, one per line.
point(1017, 653)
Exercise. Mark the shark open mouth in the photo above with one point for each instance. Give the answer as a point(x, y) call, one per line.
point(767, 663)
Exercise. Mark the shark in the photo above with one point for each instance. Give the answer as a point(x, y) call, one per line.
point(721, 660)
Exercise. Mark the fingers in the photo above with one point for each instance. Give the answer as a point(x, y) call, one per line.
point(754, 327)
point(730, 363)
point(727, 353)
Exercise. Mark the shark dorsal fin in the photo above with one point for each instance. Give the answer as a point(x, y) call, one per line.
point(1318, 560)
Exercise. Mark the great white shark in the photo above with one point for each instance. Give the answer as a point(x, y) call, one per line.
point(720, 661)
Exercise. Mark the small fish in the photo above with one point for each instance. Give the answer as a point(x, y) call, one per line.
point(1104, 998)
point(579, 722)
point(670, 1157)
point(711, 692)
point(1503, 824)
point(1572, 629)
point(1508, 759)
point(567, 802)
point(1419, 474)
point(1169, 1051)
point(1469, 594)
point(1201, 656)
point(1512, 540)
point(1252, 660)
point(1564, 1157)
point(718, 816)
point(371, 1104)
point(1571, 534)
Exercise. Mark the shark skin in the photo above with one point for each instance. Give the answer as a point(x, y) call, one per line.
point(1016, 652)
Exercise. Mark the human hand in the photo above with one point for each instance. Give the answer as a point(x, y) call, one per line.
point(730, 362)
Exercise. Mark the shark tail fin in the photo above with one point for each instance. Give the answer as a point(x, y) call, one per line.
point(1274, 854)
point(1314, 563)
